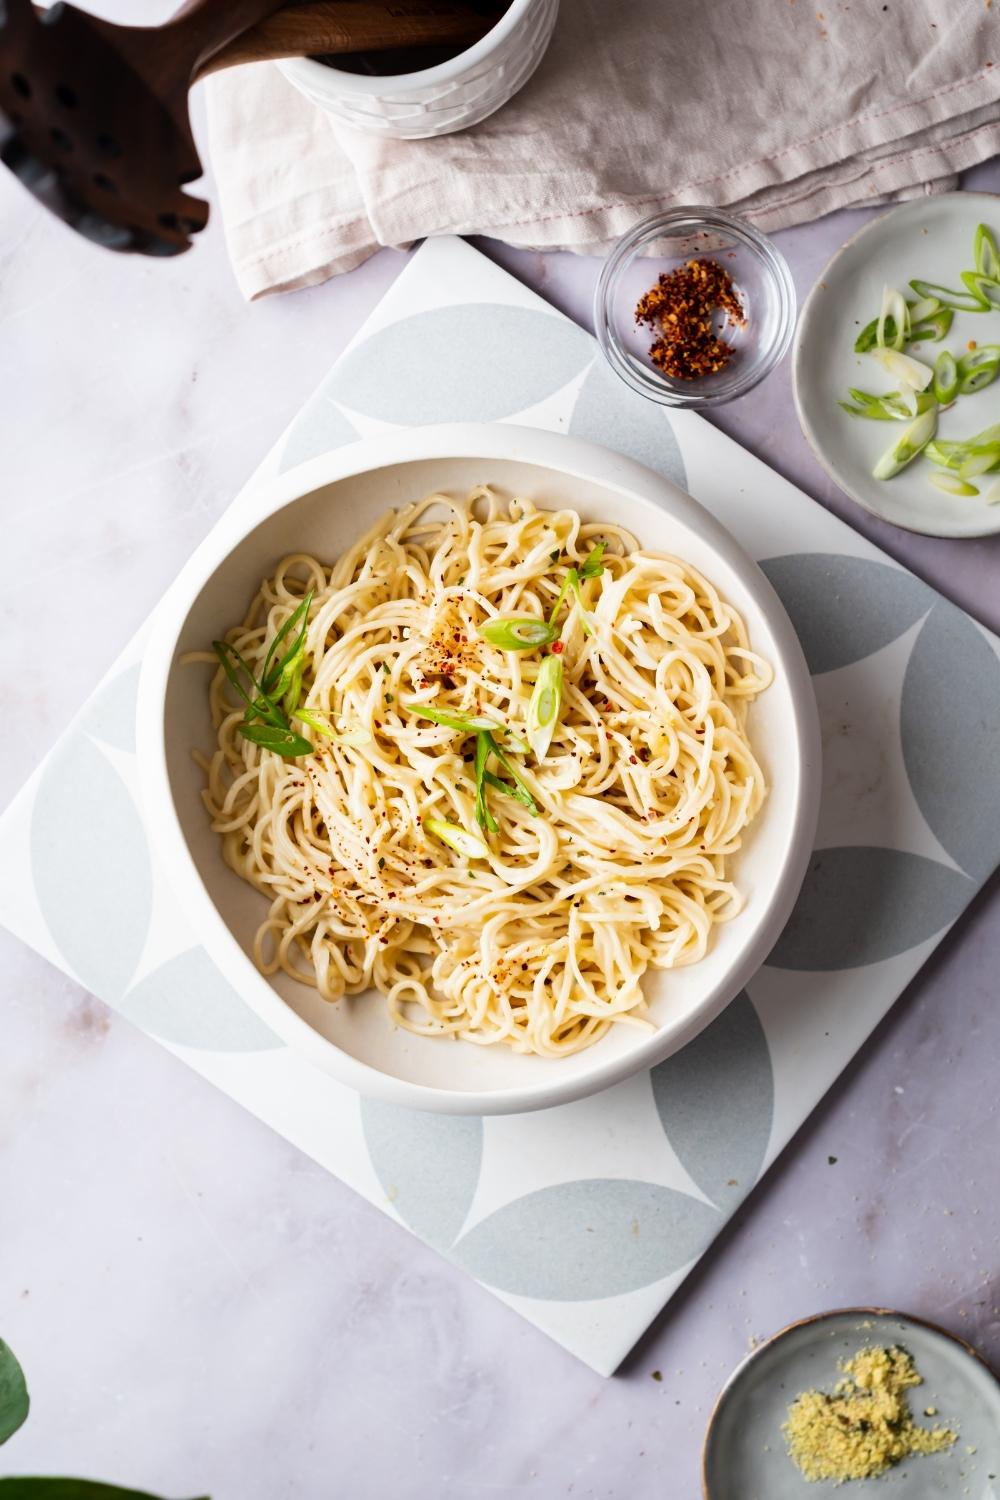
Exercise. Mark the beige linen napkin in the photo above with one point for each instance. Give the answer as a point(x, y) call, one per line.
point(780, 109)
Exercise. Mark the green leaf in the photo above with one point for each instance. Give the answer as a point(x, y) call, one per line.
point(14, 1400)
point(517, 792)
point(33, 1488)
point(283, 742)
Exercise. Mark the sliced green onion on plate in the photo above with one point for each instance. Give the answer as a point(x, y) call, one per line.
point(975, 375)
point(951, 484)
point(517, 632)
point(894, 311)
point(986, 255)
point(910, 442)
point(924, 307)
point(983, 287)
point(979, 463)
point(543, 709)
point(456, 837)
point(908, 371)
point(967, 301)
point(945, 377)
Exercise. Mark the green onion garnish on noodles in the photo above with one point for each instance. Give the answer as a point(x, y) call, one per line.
point(484, 817)
point(457, 838)
point(517, 632)
point(284, 742)
point(904, 450)
point(523, 793)
point(985, 253)
point(945, 377)
point(464, 723)
point(544, 705)
point(275, 676)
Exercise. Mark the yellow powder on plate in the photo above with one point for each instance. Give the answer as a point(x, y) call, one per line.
point(865, 1425)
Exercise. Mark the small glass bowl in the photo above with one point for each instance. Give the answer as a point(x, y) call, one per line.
point(761, 277)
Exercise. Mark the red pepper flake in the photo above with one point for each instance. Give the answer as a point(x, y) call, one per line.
point(681, 308)
point(557, 648)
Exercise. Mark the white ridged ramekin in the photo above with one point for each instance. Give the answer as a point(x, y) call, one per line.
point(439, 100)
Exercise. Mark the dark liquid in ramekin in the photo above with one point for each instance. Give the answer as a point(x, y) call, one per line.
point(409, 59)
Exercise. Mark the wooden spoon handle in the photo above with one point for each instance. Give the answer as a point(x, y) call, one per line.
point(337, 26)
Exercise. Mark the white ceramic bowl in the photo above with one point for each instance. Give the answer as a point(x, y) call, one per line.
point(438, 100)
point(322, 507)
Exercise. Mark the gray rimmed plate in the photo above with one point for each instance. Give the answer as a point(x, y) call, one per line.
point(931, 238)
point(744, 1456)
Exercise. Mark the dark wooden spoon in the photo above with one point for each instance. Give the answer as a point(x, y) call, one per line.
point(94, 117)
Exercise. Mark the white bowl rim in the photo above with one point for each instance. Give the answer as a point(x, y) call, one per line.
point(807, 316)
point(315, 74)
point(573, 457)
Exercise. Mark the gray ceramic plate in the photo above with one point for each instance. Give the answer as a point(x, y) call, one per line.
point(745, 1457)
point(929, 238)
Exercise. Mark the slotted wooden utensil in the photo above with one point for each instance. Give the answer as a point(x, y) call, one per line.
point(94, 117)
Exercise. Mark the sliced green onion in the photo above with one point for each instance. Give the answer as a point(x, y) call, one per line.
point(512, 772)
point(465, 723)
point(976, 377)
point(592, 566)
point(543, 709)
point(982, 354)
point(271, 675)
point(945, 377)
point(992, 494)
point(906, 447)
point(456, 837)
point(484, 817)
point(983, 287)
point(517, 792)
point(924, 307)
point(894, 310)
point(321, 725)
point(986, 255)
point(952, 455)
point(517, 632)
point(893, 407)
point(951, 484)
point(978, 463)
point(908, 371)
point(936, 327)
point(283, 742)
point(961, 301)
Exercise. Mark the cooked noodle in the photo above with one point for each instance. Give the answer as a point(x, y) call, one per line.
point(643, 796)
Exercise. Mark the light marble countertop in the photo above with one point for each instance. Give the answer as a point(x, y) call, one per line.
point(199, 1308)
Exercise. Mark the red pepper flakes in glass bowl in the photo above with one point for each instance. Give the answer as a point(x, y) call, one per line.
point(694, 307)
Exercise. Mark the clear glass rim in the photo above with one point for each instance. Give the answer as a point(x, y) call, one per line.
point(645, 380)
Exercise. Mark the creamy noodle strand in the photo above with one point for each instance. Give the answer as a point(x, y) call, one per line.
point(643, 796)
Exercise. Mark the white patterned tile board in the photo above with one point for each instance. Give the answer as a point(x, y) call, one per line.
point(908, 688)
